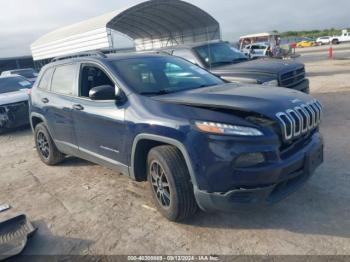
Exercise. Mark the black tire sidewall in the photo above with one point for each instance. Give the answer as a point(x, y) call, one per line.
point(40, 128)
point(173, 211)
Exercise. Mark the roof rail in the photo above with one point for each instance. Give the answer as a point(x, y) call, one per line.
point(81, 54)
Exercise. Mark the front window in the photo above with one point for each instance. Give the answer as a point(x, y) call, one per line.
point(163, 75)
point(219, 54)
point(92, 76)
point(13, 84)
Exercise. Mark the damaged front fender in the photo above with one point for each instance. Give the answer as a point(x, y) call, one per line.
point(4, 116)
point(14, 115)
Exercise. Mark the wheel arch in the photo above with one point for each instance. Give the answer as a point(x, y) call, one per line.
point(145, 142)
point(36, 119)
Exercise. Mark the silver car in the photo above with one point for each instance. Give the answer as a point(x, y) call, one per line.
point(29, 73)
point(13, 102)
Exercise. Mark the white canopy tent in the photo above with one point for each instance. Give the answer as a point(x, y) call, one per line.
point(151, 24)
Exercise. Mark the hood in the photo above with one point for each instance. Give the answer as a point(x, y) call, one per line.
point(259, 66)
point(250, 99)
point(14, 97)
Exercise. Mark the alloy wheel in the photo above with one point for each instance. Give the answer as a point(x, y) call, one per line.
point(43, 145)
point(160, 184)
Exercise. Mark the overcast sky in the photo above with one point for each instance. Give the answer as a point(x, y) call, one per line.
point(23, 21)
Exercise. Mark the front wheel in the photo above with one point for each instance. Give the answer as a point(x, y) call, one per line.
point(170, 183)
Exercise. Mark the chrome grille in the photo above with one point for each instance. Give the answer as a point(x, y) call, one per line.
point(301, 119)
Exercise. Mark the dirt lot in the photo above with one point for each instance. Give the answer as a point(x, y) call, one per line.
point(82, 208)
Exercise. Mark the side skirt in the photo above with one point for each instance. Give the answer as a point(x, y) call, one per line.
point(87, 155)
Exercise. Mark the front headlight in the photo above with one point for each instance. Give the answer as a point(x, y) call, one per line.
point(270, 83)
point(225, 129)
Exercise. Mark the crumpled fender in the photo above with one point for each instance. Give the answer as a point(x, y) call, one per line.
point(4, 116)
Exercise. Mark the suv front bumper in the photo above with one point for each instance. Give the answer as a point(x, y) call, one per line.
point(309, 158)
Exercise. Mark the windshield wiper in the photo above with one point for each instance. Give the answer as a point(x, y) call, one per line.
point(241, 59)
point(221, 62)
point(161, 92)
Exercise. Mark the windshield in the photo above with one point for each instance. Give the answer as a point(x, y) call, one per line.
point(13, 84)
point(219, 53)
point(163, 75)
point(27, 73)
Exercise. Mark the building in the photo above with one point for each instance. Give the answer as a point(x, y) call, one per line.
point(16, 63)
point(149, 25)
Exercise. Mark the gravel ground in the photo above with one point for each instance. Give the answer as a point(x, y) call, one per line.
point(82, 208)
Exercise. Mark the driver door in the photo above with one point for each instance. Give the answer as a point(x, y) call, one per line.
point(99, 125)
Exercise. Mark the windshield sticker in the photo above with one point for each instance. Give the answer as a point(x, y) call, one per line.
point(24, 83)
point(199, 70)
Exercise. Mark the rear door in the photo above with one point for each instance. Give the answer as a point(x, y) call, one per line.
point(99, 125)
point(59, 105)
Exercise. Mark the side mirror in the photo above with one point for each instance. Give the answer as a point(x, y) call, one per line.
point(105, 92)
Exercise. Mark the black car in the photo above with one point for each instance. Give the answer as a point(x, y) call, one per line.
point(223, 60)
point(198, 140)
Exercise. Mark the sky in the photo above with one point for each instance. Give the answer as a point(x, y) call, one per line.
point(23, 21)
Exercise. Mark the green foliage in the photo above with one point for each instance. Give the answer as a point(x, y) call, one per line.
point(313, 33)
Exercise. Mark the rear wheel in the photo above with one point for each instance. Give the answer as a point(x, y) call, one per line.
point(170, 183)
point(335, 41)
point(45, 146)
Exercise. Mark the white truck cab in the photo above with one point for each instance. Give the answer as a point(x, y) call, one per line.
point(344, 37)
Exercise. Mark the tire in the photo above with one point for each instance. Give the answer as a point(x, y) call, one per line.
point(335, 41)
point(45, 146)
point(175, 199)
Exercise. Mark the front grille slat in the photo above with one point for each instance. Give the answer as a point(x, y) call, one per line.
point(300, 120)
point(292, 78)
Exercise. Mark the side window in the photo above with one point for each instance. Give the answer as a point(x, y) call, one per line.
point(45, 79)
point(91, 76)
point(186, 54)
point(63, 79)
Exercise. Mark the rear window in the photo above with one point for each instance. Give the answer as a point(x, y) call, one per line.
point(63, 79)
point(13, 84)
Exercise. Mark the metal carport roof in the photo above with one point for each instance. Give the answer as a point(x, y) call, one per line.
point(151, 24)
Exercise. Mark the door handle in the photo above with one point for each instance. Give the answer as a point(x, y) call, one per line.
point(78, 107)
point(45, 100)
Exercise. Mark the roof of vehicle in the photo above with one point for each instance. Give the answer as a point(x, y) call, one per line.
point(107, 57)
point(21, 69)
point(150, 24)
point(265, 34)
point(12, 76)
point(260, 44)
point(17, 70)
point(191, 45)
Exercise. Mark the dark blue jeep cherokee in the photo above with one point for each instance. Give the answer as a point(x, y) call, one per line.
point(198, 140)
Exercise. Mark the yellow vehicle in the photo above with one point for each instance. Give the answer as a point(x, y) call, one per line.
point(306, 43)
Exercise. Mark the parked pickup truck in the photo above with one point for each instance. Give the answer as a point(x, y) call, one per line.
point(344, 37)
point(199, 141)
point(232, 65)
